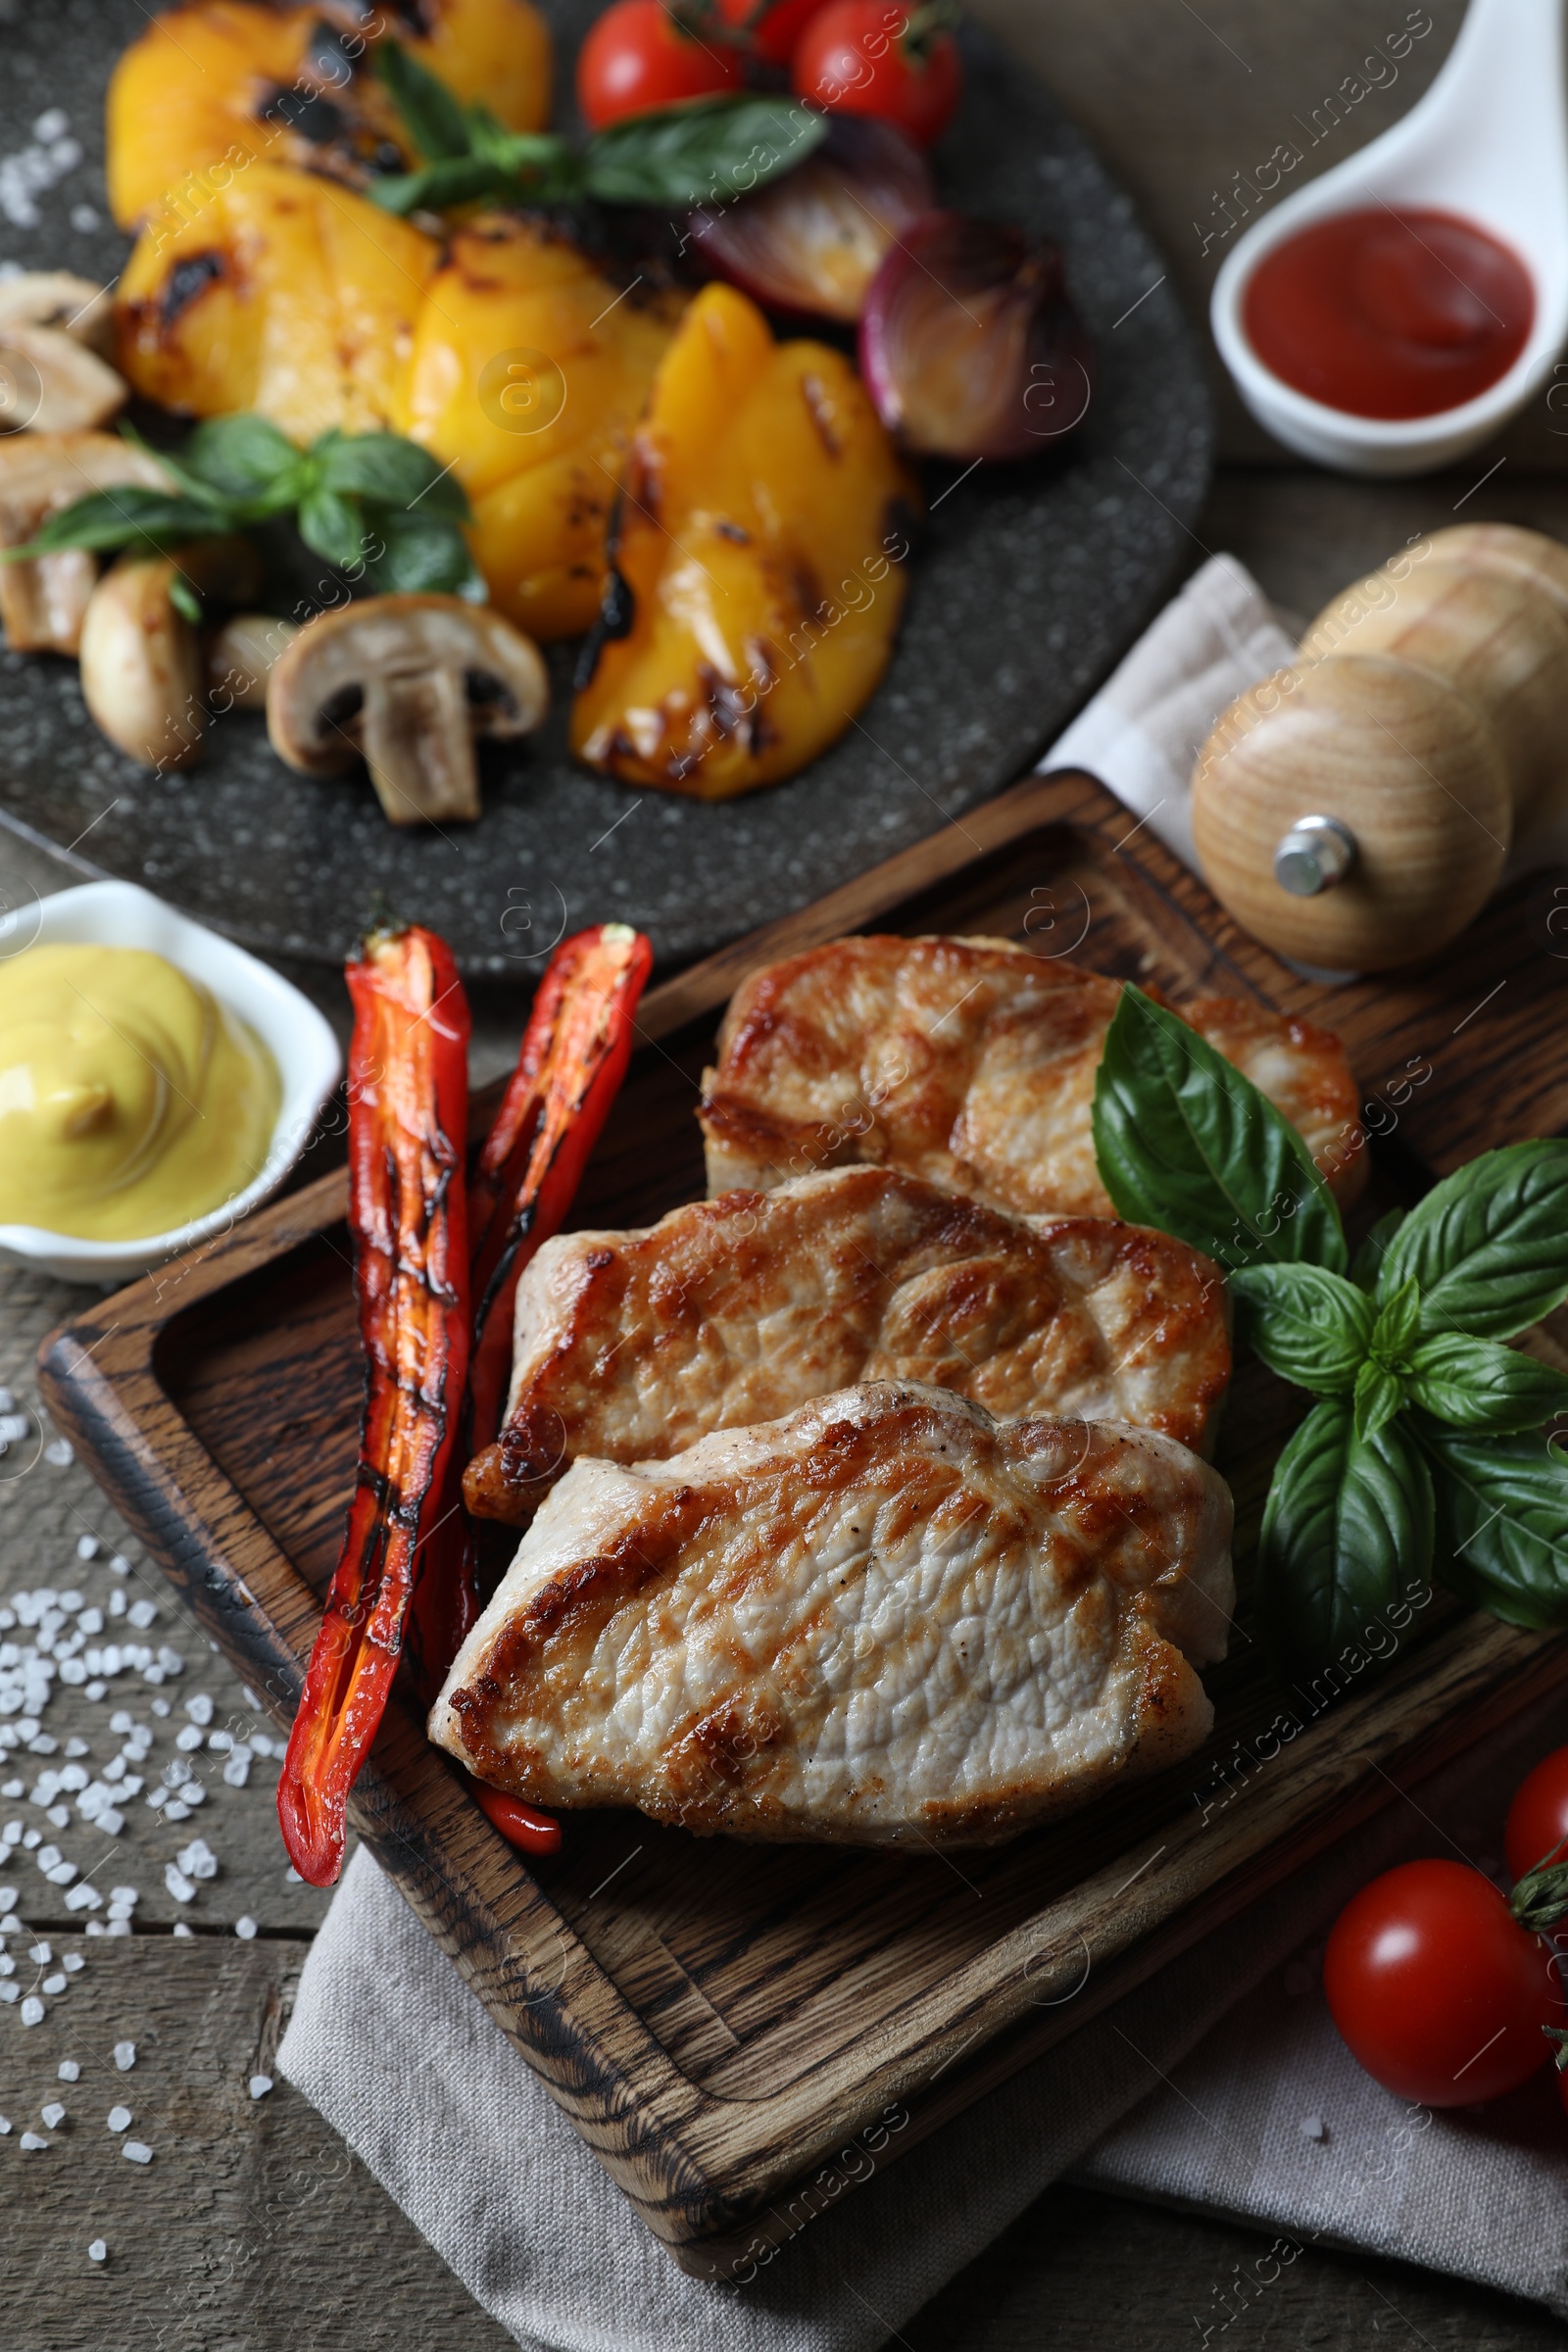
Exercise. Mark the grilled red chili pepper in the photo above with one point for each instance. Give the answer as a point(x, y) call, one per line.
point(407, 1120)
point(523, 1826)
point(572, 1060)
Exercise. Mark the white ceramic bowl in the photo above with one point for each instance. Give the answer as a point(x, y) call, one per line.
point(1486, 142)
point(118, 914)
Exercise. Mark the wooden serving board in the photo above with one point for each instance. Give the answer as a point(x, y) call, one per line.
point(717, 2019)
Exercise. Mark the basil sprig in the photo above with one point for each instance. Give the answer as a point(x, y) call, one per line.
point(702, 151)
point(367, 503)
point(1426, 1443)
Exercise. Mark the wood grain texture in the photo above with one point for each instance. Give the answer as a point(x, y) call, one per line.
point(711, 2016)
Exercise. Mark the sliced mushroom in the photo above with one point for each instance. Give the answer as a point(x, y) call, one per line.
point(57, 298)
point(55, 333)
point(240, 658)
point(407, 682)
point(143, 674)
point(42, 601)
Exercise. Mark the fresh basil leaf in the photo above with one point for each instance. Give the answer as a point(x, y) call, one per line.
point(420, 555)
point(1504, 1505)
point(1185, 1141)
point(435, 119)
point(132, 516)
point(1347, 1536)
point(1398, 1320)
point(707, 151)
point(1488, 1246)
point(390, 470)
point(334, 526)
point(1379, 1395)
point(185, 600)
point(1479, 1385)
point(464, 179)
point(1309, 1326)
point(1369, 1257)
point(244, 456)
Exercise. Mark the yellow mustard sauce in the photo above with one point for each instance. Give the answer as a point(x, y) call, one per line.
point(131, 1099)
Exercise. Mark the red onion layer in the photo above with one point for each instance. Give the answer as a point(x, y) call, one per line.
point(811, 242)
point(969, 345)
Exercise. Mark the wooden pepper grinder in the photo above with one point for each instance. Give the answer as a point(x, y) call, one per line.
point(1357, 810)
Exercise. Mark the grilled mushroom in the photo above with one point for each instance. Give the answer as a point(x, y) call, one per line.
point(143, 678)
point(55, 333)
point(407, 682)
point(240, 658)
point(42, 601)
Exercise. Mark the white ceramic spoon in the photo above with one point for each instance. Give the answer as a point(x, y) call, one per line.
point(1490, 142)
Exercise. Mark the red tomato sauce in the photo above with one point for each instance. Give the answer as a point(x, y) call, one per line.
point(1387, 313)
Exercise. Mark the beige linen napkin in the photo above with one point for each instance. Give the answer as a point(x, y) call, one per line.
point(1265, 2118)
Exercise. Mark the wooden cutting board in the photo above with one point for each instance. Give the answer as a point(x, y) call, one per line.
point(739, 2032)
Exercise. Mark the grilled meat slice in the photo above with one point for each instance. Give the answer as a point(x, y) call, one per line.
point(971, 1063)
point(886, 1618)
point(738, 1310)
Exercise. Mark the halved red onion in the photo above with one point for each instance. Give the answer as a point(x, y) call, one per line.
point(811, 242)
point(969, 345)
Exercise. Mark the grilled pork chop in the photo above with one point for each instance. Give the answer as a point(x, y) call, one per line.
point(971, 1063)
point(738, 1310)
point(884, 1618)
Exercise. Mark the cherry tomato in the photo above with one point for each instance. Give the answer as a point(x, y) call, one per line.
point(879, 56)
point(521, 1825)
point(637, 57)
point(1537, 1818)
point(1436, 1988)
point(774, 32)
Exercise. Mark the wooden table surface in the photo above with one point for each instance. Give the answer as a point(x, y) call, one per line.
point(253, 2229)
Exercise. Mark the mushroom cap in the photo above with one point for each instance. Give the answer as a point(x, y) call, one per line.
point(312, 685)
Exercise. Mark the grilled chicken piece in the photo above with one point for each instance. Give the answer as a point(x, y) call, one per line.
point(886, 1618)
point(971, 1063)
point(736, 1310)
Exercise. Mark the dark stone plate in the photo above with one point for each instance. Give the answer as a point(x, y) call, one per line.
point(1032, 580)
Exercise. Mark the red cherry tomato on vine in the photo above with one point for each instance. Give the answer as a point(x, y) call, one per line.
point(1537, 1818)
point(1436, 1988)
point(534, 1833)
point(879, 56)
point(638, 57)
point(774, 34)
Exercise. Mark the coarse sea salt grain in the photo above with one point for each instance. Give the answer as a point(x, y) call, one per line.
point(137, 2150)
point(184, 1927)
point(124, 2055)
point(1312, 2127)
point(54, 2114)
point(260, 2086)
point(97, 2251)
point(70, 2070)
point(87, 1548)
point(55, 1985)
point(30, 2142)
point(245, 1928)
point(183, 1889)
point(120, 2118)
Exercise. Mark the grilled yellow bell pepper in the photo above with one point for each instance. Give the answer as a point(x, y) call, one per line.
point(287, 294)
point(528, 373)
point(758, 563)
point(211, 89)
